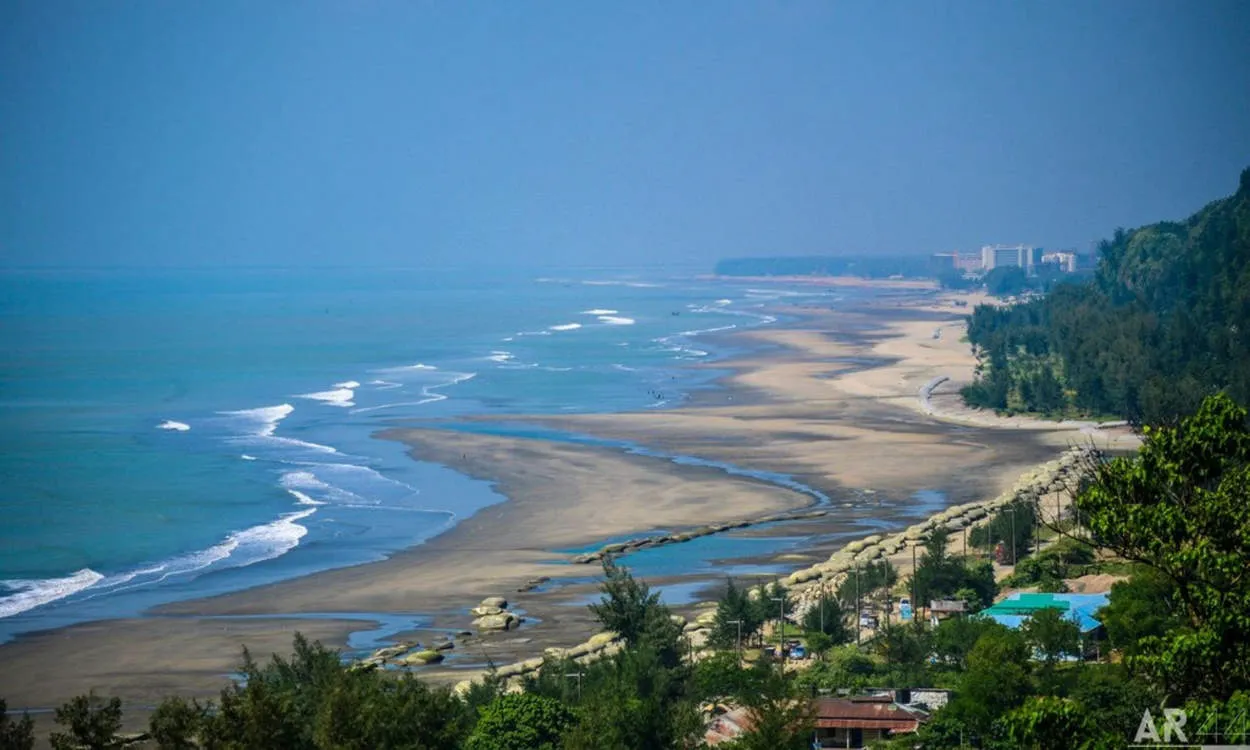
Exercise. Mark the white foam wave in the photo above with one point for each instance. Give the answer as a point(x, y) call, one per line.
point(29, 594)
point(303, 499)
point(347, 384)
point(723, 302)
point(263, 422)
point(239, 549)
point(300, 483)
point(613, 320)
point(599, 311)
point(407, 368)
point(170, 424)
point(336, 397)
point(636, 284)
point(246, 457)
point(265, 418)
point(431, 395)
point(500, 356)
point(385, 385)
point(565, 327)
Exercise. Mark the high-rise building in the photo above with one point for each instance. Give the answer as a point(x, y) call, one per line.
point(999, 256)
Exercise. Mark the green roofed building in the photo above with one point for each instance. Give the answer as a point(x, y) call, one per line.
point(1079, 608)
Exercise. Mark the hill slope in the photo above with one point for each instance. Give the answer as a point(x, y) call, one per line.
point(1164, 321)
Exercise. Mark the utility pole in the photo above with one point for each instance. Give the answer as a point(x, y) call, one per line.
point(915, 602)
point(739, 624)
point(857, 605)
point(1013, 536)
point(782, 623)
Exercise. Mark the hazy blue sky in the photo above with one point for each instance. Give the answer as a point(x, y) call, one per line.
point(584, 132)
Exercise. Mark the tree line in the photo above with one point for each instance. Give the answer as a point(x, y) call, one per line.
point(1163, 323)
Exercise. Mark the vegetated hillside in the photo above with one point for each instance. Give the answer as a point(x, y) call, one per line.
point(1164, 322)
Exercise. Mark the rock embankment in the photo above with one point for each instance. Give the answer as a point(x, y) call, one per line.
point(633, 545)
point(1058, 475)
point(596, 647)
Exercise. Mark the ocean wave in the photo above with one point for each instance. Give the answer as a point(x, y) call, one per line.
point(347, 384)
point(613, 320)
point(407, 368)
point(614, 282)
point(261, 423)
point(336, 397)
point(599, 311)
point(385, 385)
point(303, 499)
point(29, 594)
point(170, 424)
point(429, 392)
point(565, 327)
point(300, 483)
point(265, 419)
point(246, 457)
point(500, 356)
point(239, 549)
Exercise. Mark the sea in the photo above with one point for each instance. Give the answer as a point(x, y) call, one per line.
point(171, 434)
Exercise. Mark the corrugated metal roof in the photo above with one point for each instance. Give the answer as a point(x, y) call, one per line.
point(1081, 608)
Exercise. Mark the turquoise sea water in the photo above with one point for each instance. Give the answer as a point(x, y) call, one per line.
point(173, 434)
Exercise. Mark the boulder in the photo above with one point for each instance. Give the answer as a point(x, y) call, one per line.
point(678, 620)
point(600, 640)
point(502, 621)
point(529, 665)
point(486, 611)
point(390, 652)
point(443, 646)
point(495, 601)
point(421, 658)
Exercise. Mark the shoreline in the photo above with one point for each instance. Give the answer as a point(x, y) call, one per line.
point(794, 404)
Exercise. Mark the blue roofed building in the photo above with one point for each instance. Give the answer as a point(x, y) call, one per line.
point(1079, 608)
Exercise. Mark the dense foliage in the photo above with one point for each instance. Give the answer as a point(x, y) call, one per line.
point(1164, 322)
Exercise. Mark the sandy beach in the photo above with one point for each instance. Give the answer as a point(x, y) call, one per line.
point(832, 400)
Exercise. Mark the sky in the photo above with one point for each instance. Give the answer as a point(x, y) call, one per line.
point(360, 132)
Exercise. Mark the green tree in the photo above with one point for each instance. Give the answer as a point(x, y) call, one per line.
point(1044, 722)
point(15, 735)
point(996, 681)
point(629, 608)
point(864, 581)
point(175, 723)
point(735, 614)
point(92, 723)
point(521, 721)
point(955, 637)
point(1051, 634)
point(1144, 606)
point(779, 717)
point(370, 710)
point(844, 667)
point(635, 700)
point(827, 618)
point(1182, 507)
